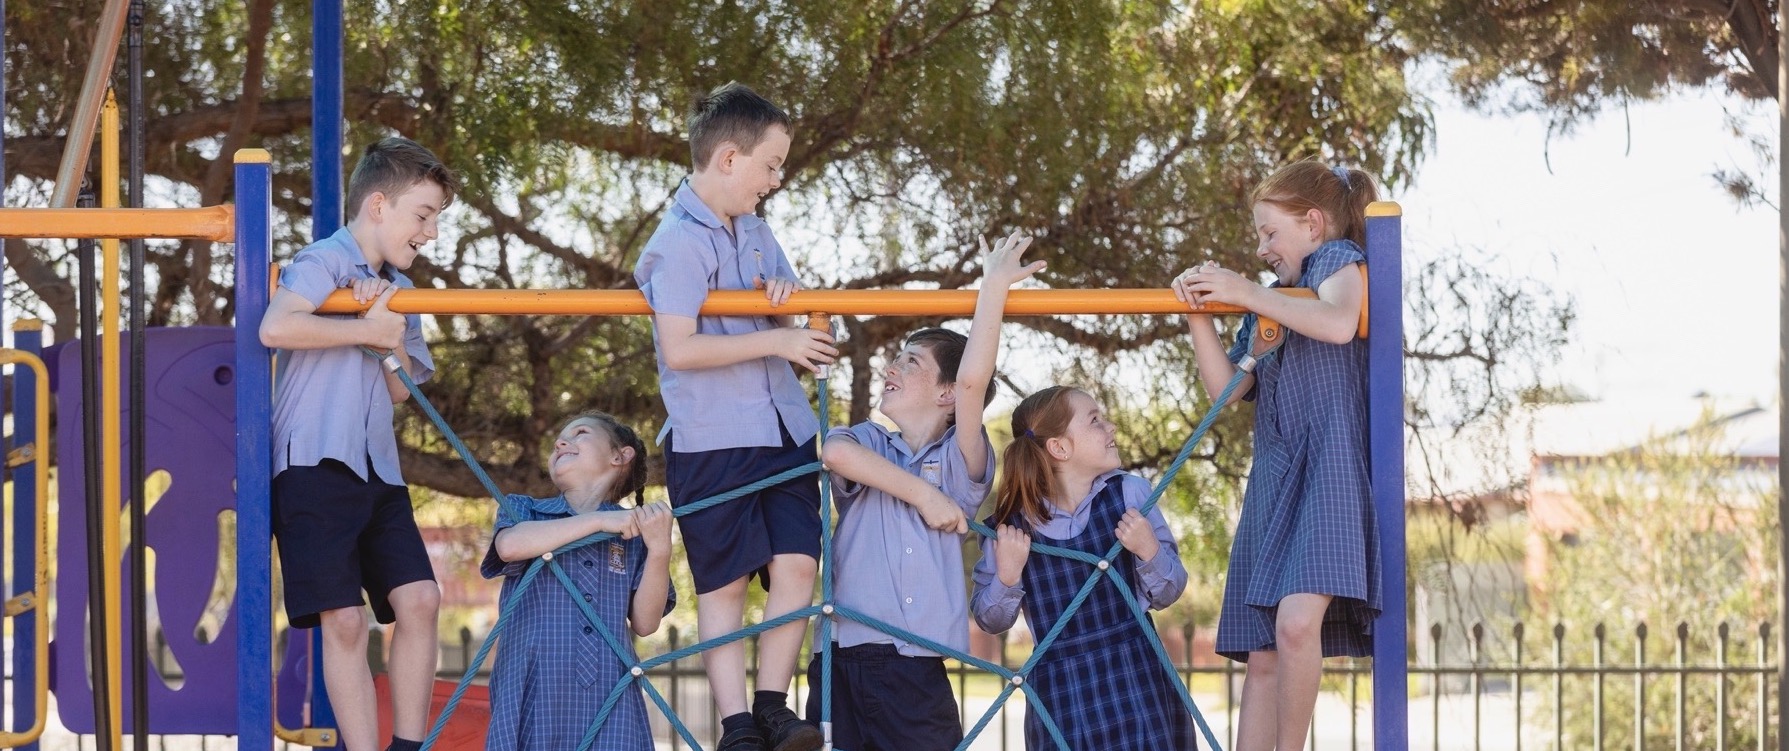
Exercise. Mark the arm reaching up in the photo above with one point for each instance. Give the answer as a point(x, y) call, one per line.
point(1002, 267)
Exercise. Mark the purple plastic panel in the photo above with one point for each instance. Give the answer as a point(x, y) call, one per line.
point(192, 436)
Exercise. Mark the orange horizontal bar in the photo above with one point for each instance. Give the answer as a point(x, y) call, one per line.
point(215, 223)
point(889, 302)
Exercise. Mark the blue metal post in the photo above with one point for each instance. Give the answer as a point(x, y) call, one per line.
point(26, 336)
point(326, 118)
point(1385, 424)
point(254, 455)
point(326, 216)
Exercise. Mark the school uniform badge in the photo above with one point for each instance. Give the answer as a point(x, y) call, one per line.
point(617, 557)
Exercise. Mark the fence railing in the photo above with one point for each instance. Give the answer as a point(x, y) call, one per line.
point(1473, 687)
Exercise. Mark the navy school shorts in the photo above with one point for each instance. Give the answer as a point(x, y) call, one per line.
point(339, 534)
point(884, 701)
point(736, 539)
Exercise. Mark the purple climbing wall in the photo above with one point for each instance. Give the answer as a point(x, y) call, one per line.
point(191, 435)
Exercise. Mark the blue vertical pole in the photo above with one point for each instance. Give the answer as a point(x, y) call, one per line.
point(254, 455)
point(326, 217)
point(326, 118)
point(26, 336)
point(1385, 425)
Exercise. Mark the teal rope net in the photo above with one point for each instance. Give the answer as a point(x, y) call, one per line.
point(1101, 568)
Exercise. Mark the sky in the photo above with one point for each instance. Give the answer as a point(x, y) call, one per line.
point(1676, 286)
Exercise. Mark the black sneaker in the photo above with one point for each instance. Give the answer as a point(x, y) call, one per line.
point(788, 732)
point(746, 739)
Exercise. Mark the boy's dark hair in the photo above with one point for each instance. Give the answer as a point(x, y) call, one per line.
point(393, 165)
point(734, 113)
point(946, 347)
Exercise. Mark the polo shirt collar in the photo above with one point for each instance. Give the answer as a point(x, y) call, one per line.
point(351, 248)
point(692, 204)
point(555, 505)
point(899, 441)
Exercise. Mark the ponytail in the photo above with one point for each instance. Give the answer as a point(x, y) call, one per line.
point(1022, 495)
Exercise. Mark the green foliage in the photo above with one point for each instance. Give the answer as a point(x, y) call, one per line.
point(1677, 533)
point(1574, 58)
point(1127, 134)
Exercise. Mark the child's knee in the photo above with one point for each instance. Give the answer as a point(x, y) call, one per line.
point(795, 568)
point(1297, 629)
point(417, 601)
point(730, 596)
point(345, 627)
point(1261, 665)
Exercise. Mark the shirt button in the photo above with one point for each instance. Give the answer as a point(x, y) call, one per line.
point(909, 551)
point(909, 601)
point(586, 598)
point(587, 629)
point(588, 564)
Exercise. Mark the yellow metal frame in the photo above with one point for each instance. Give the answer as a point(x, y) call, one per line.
point(37, 600)
point(111, 435)
point(312, 737)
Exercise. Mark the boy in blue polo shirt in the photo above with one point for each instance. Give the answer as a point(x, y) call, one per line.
point(341, 512)
point(736, 413)
point(903, 499)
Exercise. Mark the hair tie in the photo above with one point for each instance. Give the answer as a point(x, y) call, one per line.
point(1029, 434)
point(1341, 173)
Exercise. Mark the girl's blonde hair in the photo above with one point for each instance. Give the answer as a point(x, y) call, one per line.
point(1341, 193)
point(1029, 477)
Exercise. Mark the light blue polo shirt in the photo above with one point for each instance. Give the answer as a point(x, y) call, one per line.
point(732, 406)
point(333, 403)
point(889, 565)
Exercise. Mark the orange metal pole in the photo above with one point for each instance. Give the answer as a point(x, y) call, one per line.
point(215, 223)
point(890, 302)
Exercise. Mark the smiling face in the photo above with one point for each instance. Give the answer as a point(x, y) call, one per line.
point(752, 176)
point(1090, 442)
point(1286, 239)
point(583, 453)
point(910, 383)
point(405, 222)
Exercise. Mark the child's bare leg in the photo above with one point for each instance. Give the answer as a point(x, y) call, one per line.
point(347, 679)
point(719, 613)
point(791, 589)
point(414, 652)
point(1298, 632)
point(1256, 723)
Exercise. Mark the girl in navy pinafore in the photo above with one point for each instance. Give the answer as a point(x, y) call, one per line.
point(553, 668)
point(1100, 681)
point(1304, 579)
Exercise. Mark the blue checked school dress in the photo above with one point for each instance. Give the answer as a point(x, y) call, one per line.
point(1307, 521)
point(1100, 679)
point(553, 670)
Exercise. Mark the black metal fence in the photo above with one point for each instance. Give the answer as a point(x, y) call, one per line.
point(1472, 687)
